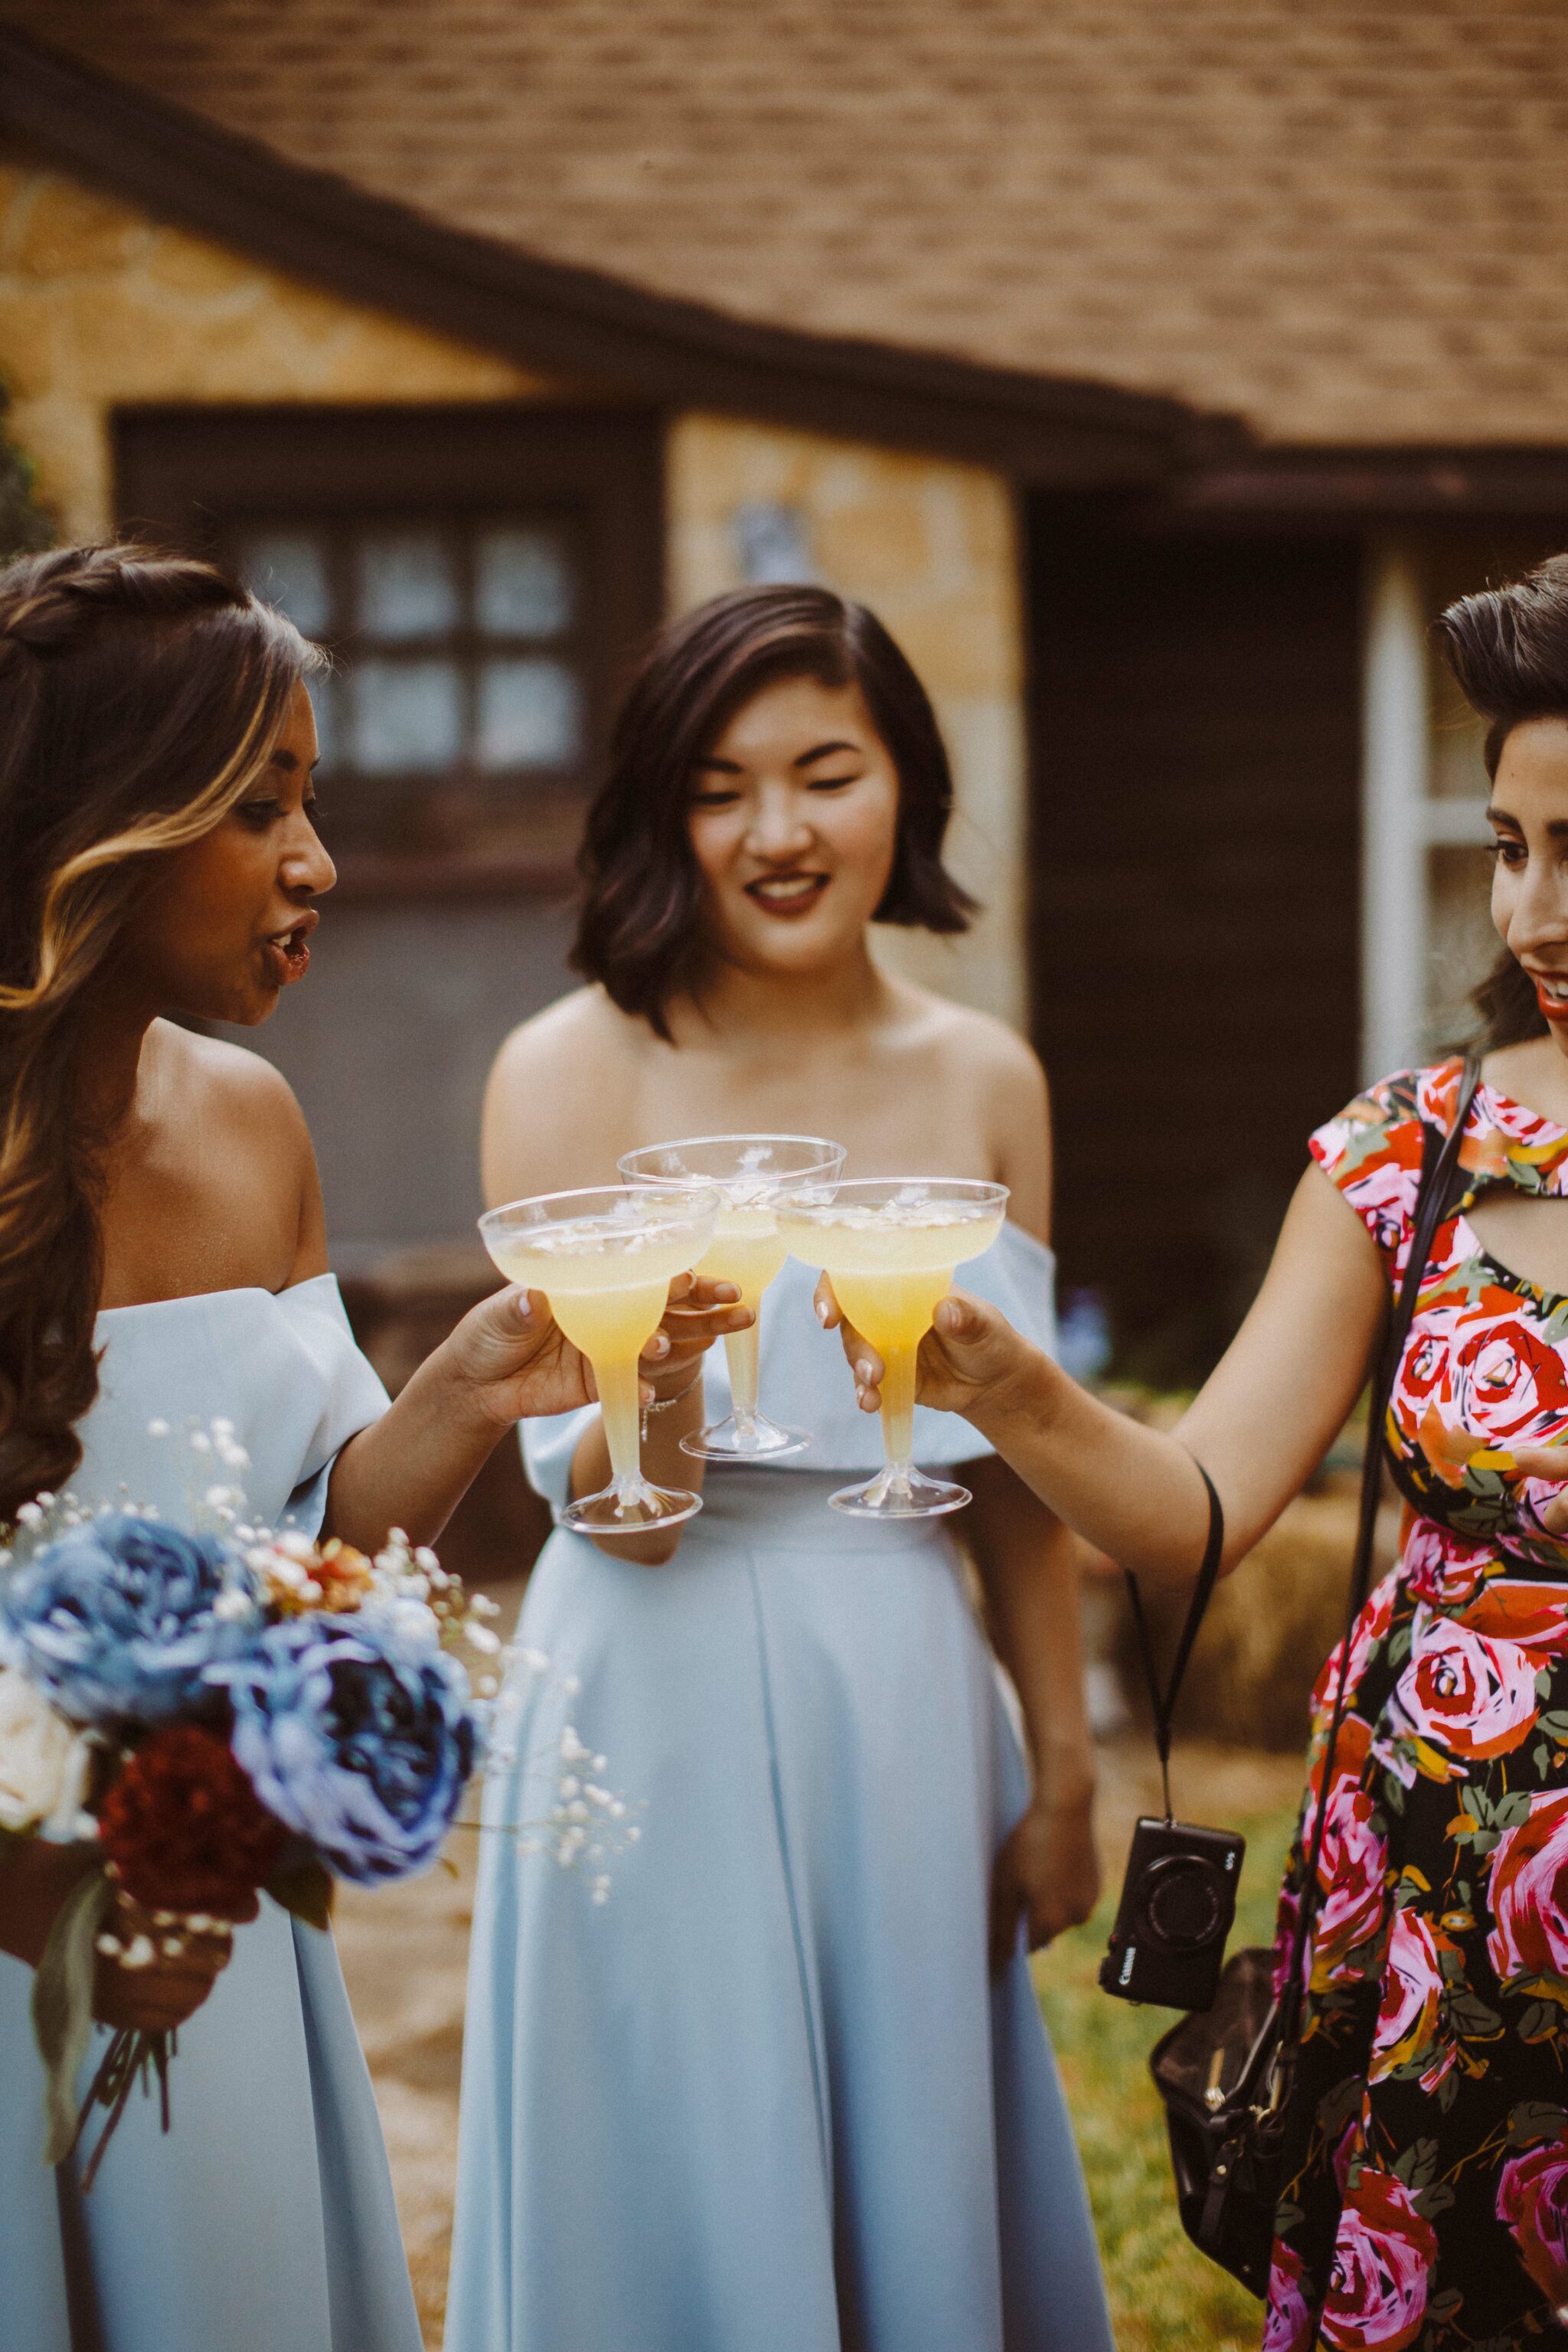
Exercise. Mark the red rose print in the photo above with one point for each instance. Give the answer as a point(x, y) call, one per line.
point(1514, 1610)
point(1352, 1870)
point(1444, 1570)
point(1508, 1381)
point(1383, 2256)
point(186, 1828)
point(1289, 2323)
point(1532, 2200)
point(1371, 1627)
point(1529, 1896)
point(1463, 1696)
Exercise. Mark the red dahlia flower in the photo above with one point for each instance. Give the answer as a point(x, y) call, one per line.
point(187, 1830)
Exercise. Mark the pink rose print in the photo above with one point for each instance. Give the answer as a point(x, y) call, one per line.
point(1507, 1383)
point(1383, 2256)
point(1352, 1871)
point(1441, 1569)
point(1285, 1922)
point(1532, 2200)
point(1412, 1994)
point(1528, 1896)
point(1289, 2323)
point(1465, 1696)
point(1370, 1628)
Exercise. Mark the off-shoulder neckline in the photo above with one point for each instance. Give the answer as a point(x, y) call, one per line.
point(206, 1297)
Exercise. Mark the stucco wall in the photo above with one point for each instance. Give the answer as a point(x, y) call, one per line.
point(100, 305)
point(932, 547)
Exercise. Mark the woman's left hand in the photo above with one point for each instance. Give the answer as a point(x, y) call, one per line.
point(1048, 1871)
point(516, 1363)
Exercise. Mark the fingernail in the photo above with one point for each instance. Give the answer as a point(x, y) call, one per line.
point(863, 1374)
point(726, 1291)
point(821, 1312)
point(658, 1345)
point(524, 1311)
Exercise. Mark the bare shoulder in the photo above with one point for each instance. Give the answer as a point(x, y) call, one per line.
point(983, 1062)
point(236, 1086)
point(556, 1090)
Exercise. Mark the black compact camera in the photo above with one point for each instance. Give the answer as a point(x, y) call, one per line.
point(1178, 1900)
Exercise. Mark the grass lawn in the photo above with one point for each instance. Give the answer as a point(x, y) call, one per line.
point(1164, 2297)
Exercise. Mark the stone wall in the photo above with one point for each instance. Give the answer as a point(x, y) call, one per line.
point(101, 305)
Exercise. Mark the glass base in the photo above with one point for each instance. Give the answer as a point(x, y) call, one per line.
point(900, 1493)
point(631, 1510)
point(754, 1438)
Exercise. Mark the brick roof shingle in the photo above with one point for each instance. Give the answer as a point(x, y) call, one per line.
point(1345, 222)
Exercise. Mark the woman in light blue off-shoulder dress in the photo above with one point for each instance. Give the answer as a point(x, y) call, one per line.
point(789, 2090)
point(162, 1262)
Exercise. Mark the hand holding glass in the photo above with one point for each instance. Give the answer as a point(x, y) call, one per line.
point(891, 1249)
point(605, 1259)
point(752, 1174)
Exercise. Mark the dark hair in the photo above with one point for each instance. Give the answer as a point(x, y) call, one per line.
point(640, 930)
point(141, 696)
point(1508, 647)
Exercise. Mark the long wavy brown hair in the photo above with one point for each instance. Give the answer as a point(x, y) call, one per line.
point(141, 697)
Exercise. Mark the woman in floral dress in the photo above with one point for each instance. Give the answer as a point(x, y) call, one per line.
point(1426, 2196)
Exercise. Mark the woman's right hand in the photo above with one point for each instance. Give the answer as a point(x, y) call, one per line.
point(968, 1361)
point(175, 1980)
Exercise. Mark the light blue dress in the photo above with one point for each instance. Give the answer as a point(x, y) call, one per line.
point(768, 2098)
point(265, 2222)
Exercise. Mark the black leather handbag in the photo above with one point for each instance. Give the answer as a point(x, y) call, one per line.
point(1224, 2074)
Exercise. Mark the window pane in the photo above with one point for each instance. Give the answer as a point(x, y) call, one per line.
point(407, 587)
point(530, 715)
point(523, 583)
point(288, 569)
point(405, 715)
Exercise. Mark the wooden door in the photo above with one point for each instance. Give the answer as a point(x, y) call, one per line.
point(1195, 904)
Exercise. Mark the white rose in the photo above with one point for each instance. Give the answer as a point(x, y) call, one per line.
point(43, 1762)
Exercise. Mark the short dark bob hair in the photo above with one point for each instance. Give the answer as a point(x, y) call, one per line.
point(640, 932)
point(1508, 647)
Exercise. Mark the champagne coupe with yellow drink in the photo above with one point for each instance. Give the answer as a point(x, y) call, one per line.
point(891, 1249)
point(604, 1258)
point(752, 1175)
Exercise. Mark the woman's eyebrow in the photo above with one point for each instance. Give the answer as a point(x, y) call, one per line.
point(823, 751)
point(1557, 828)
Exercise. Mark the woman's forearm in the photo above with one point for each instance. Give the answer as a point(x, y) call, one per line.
point(411, 1468)
point(1131, 1491)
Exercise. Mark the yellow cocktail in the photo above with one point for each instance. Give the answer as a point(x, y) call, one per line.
point(752, 1174)
point(891, 1249)
point(605, 1259)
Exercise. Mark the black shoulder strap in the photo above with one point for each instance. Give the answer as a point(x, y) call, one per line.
point(1165, 1702)
point(1439, 1158)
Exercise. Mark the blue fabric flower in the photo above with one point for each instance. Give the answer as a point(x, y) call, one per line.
point(357, 1731)
point(115, 1619)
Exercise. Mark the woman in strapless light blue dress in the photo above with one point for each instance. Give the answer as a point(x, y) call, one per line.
point(162, 1260)
point(774, 2096)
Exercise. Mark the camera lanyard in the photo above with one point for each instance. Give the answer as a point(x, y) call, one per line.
point(1164, 1706)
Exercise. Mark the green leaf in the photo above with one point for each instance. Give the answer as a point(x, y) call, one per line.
point(1473, 2019)
point(62, 2008)
point(1447, 2090)
point(1511, 1810)
point(1535, 2119)
point(1434, 2199)
point(1393, 1792)
point(1555, 1725)
point(304, 1889)
point(1399, 1646)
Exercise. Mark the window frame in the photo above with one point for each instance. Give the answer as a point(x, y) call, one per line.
point(205, 477)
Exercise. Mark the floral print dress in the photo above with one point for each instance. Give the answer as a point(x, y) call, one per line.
point(1425, 2201)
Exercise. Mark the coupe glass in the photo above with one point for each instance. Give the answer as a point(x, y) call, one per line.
point(605, 1259)
point(892, 1248)
point(752, 1174)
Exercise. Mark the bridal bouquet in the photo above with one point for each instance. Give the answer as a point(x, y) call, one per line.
point(216, 1712)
